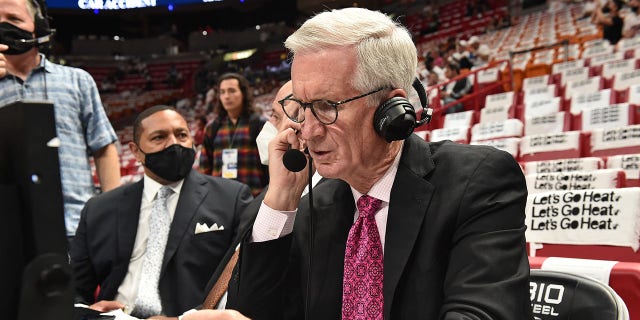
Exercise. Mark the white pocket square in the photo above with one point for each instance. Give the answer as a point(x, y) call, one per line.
point(203, 227)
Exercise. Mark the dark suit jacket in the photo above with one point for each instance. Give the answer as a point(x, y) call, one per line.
point(454, 249)
point(101, 250)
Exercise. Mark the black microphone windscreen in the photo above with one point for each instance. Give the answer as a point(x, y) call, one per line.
point(294, 160)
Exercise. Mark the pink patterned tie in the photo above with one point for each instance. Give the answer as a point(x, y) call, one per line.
point(363, 266)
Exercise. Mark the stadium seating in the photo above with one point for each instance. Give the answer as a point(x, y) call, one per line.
point(580, 129)
point(623, 277)
point(565, 296)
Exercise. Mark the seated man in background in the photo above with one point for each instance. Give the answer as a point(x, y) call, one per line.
point(278, 121)
point(608, 18)
point(454, 90)
point(152, 246)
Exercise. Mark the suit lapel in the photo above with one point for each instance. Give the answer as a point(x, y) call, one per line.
point(333, 218)
point(127, 222)
point(191, 195)
point(410, 198)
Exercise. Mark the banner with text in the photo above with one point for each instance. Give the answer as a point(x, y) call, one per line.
point(551, 123)
point(563, 165)
point(587, 217)
point(577, 180)
point(458, 119)
point(612, 138)
point(495, 113)
point(459, 134)
point(507, 144)
point(509, 128)
point(630, 163)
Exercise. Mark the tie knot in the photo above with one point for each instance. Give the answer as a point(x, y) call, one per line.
point(368, 206)
point(164, 193)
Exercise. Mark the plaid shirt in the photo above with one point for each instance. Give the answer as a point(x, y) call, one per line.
point(81, 125)
point(250, 170)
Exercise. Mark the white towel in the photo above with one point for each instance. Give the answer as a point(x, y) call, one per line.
point(587, 217)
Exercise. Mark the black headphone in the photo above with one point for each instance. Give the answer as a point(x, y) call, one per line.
point(42, 29)
point(395, 118)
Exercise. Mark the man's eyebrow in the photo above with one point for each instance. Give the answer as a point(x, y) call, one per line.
point(158, 131)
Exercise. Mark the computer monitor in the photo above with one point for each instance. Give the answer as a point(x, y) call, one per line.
point(34, 269)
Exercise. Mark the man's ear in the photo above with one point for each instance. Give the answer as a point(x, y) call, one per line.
point(397, 93)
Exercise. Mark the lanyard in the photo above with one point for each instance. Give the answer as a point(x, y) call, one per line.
point(231, 138)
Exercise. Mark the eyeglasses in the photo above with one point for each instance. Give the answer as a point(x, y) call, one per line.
point(324, 110)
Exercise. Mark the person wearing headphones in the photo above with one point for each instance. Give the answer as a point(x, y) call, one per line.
point(401, 228)
point(81, 122)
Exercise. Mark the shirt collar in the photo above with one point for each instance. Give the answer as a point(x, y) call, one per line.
point(47, 65)
point(151, 188)
point(382, 188)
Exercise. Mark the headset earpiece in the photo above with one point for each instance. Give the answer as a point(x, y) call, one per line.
point(42, 29)
point(395, 118)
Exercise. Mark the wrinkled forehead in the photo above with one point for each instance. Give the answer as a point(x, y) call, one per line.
point(324, 74)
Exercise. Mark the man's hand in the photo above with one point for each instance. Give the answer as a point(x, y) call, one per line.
point(214, 315)
point(3, 61)
point(285, 187)
point(106, 305)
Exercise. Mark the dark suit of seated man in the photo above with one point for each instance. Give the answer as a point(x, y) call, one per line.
point(120, 246)
point(402, 228)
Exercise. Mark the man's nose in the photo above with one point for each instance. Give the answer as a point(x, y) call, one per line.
point(310, 127)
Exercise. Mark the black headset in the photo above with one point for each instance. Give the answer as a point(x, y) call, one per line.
point(42, 29)
point(395, 118)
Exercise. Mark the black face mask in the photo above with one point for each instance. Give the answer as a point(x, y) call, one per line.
point(172, 164)
point(13, 37)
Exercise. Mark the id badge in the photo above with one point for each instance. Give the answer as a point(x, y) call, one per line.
point(230, 163)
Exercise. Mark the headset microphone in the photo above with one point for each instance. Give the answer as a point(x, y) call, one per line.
point(37, 41)
point(43, 31)
point(294, 160)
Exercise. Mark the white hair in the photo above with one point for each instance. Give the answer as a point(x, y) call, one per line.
point(385, 51)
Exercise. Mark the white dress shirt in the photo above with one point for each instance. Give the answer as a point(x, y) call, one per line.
point(128, 290)
point(272, 224)
point(314, 180)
